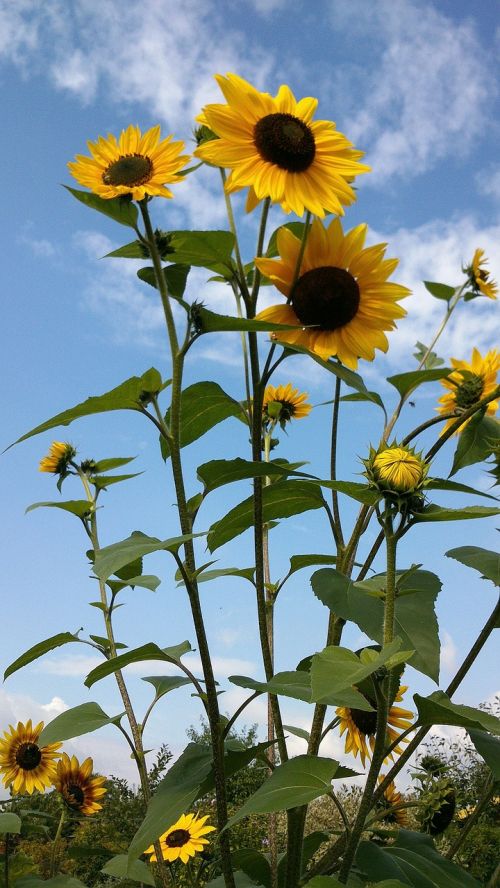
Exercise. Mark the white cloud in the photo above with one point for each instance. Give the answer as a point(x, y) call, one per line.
point(488, 182)
point(79, 665)
point(448, 653)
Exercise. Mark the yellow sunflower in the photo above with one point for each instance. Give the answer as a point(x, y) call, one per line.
point(399, 469)
point(468, 384)
point(134, 164)
point(361, 727)
point(289, 403)
point(78, 788)
point(184, 839)
point(272, 145)
point(24, 765)
point(58, 457)
point(342, 299)
point(479, 276)
point(392, 798)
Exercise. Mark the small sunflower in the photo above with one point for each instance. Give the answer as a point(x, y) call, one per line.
point(361, 727)
point(59, 456)
point(479, 276)
point(283, 403)
point(135, 165)
point(76, 785)
point(392, 798)
point(272, 145)
point(24, 765)
point(397, 470)
point(342, 301)
point(183, 840)
point(468, 384)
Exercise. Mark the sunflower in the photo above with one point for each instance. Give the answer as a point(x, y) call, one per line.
point(24, 764)
point(479, 277)
point(59, 456)
point(398, 470)
point(341, 300)
point(283, 403)
point(78, 788)
point(274, 146)
point(361, 727)
point(391, 799)
point(184, 839)
point(468, 384)
point(135, 164)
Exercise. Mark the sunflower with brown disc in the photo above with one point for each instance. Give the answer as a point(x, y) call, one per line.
point(80, 791)
point(469, 383)
point(183, 840)
point(360, 726)
point(26, 766)
point(283, 403)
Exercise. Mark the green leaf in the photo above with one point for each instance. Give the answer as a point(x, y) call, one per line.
point(427, 359)
point(206, 249)
point(483, 560)
point(203, 406)
point(413, 860)
point(148, 651)
point(475, 442)
point(9, 822)
point(106, 465)
point(440, 291)
point(287, 684)
point(336, 671)
point(121, 209)
point(433, 512)
point(134, 250)
point(362, 493)
point(74, 722)
point(353, 380)
point(246, 573)
point(445, 484)
point(129, 395)
point(219, 472)
point(406, 383)
point(280, 500)
point(241, 880)
point(298, 732)
point(253, 864)
point(61, 881)
point(137, 870)
point(371, 397)
point(174, 796)
point(111, 558)
point(175, 278)
point(295, 782)
point(163, 684)
point(296, 228)
point(415, 618)
point(145, 581)
point(38, 650)
point(437, 709)
point(209, 322)
point(297, 562)
point(80, 508)
point(103, 481)
point(488, 748)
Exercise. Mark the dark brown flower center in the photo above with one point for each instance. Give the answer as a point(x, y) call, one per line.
point(366, 722)
point(130, 169)
point(74, 795)
point(469, 391)
point(177, 838)
point(286, 141)
point(327, 297)
point(28, 756)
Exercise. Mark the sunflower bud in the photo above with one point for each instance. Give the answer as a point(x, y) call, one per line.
point(398, 473)
point(203, 134)
point(437, 806)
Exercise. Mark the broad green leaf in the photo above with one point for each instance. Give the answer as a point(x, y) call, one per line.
point(121, 209)
point(38, 650)
point(412, 860)
point(203, 406)
point(104, 481)
point(433, 512)
point(254, 865)
point(175, 278)
point(297, 562)
point(218, 472)
point(352, 379)
point(174, 796)
point(415, 619)
point(337, 671)
point(428, 360)
point(209, 322)
point(111, 558)
point(134, 250)
point(62, 881)
point(311, 843)
point(488, 748)
point(295, 782)
point(74, 722)
point(298, 732)
point(475, 442)
point(437, 709)
point(137, 870)
point(440, 291)
point(287, 684)
point(371, 397)
point(9, 822)
point(296, 228)
point(145, 581)
point(106, 465)
point(236, 757)
point(80, 508)
point(445, 484)
point(148, 651)
point(406, 383)
point(130, 395)
point(362, 493)
point(352, 882)
point(280, 500)
point(206, 249)
point(483, 560)
point(245, 573)
point(163, 684)
point(241, 880)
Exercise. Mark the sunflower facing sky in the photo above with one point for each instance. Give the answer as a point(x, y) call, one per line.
point(272, 145)
point(135, 164)
point(76, 785)
point(24, 765)
point(184, 839)
point(480, 277)
point(291, 403)
point(342, 301)
point(468, 384)
point(361, 727)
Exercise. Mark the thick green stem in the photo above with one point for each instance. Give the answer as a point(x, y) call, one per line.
point(55, 844)
point(337, 526)
point(6, 860)
point(270, 599)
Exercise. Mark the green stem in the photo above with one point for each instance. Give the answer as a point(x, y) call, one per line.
point(390, 584)
point(489, 789)
point(55, 844)
point(232, 225)
point(6, 860)
point(460, 420)
point(270, 599)
point(337, 527)
point(260, 247)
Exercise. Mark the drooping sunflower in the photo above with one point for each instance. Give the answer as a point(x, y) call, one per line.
point(361, 727)
point(272, 145)
point(479, 276)
point(134, 164)
point(184, 839)
point(341, 301)
point(24, 765)
point(391, 799)
point(290, 403)
point(468, 384)
point(58, 458)
point(76, 785)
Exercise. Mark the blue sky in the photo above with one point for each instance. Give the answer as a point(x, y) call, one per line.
point(412, 84)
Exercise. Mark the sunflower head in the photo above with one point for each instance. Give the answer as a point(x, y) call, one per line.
point(479, 277)
point(58, 458)
point(26, 766)
point(436, 805)
point(283, 403)
point(79, 790)
point(391, 799)
point(183, 840)
point(469, 382)
point(360, 726)
point(134, 165)
point(399, 473)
